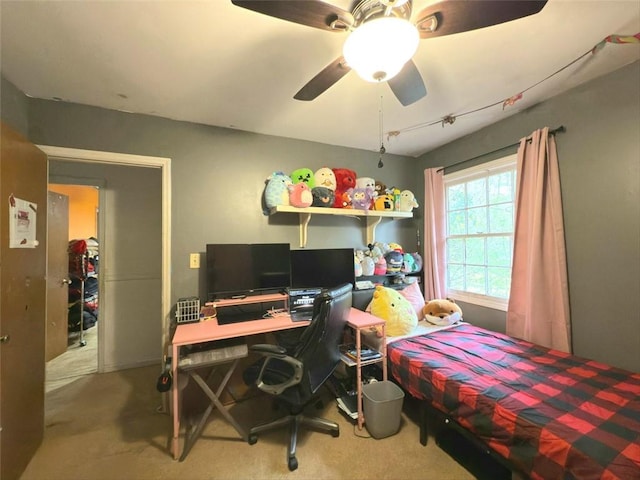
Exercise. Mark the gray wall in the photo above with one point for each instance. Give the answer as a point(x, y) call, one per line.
point(13, 107)
point(599, 157)
point(218, 178)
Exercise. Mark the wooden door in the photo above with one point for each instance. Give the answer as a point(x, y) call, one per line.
point(23, 175)
point(57, 275)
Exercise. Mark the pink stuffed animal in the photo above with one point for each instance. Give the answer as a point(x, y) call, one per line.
point(300, 195)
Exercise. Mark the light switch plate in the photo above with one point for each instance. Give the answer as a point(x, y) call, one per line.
point(194, 260)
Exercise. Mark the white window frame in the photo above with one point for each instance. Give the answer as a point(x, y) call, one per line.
point(495, 166)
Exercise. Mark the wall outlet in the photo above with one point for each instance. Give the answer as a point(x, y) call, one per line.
point(194, 260)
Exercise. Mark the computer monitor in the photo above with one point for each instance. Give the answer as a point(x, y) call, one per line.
point(326, 268)
point(247, 269)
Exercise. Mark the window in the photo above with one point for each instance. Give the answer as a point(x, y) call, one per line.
point(480, 206)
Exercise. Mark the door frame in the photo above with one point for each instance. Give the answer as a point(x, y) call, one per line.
point(125, 159)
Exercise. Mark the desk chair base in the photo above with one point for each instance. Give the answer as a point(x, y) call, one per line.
point(294, 422)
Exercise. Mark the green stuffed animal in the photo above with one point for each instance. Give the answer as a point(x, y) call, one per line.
point(305, 175)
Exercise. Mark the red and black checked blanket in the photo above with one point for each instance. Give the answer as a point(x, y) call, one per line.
point(550, 414)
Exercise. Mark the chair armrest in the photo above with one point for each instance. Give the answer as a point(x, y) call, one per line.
point(271, 352)
point(267, 348)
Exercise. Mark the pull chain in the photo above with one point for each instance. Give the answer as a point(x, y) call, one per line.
point(381, 123)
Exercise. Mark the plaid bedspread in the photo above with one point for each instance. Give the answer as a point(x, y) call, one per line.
point(551, 414)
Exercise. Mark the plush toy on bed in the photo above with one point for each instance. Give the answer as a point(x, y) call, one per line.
point(398, 313)
point(442, 312)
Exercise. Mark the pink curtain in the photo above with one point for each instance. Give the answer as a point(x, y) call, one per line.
point(434, 234)
point(539, 300)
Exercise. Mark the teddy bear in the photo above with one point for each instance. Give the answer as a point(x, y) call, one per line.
point(345, 179)
point(442, 312)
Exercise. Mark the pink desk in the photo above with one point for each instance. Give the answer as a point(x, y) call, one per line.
point(194, 333)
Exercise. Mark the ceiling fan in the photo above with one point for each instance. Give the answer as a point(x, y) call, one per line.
point(367, 26)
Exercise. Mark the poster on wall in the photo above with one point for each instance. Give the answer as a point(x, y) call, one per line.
point(22, 223)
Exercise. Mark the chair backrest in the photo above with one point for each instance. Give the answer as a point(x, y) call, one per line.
point(319, 348)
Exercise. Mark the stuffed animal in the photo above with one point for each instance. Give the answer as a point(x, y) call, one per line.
point(304, 175)
point(324, 177)
point(394, 261)
point(381, 266)
point(276, 192)
point(368, 266)
point(345, 199)
point(364, 182)
point(361, 198)
point(357, 264)
point(381, 188)
point(407, 201)
point(322, 197)
point(388, 304)
point(442, 312)
point(345, 179)
point(408, 263)
point(300, 195)
point(383, 202)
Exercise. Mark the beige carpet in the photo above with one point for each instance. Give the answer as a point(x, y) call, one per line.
point(108, 426)
point(75, 363)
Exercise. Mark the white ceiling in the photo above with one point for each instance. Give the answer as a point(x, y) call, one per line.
point(214, 63)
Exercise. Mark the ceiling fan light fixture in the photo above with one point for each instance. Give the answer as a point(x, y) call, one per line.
point(378, 49)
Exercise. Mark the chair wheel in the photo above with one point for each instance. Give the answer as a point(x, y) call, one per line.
point(293, 463)
point(335, 433)
point(253, 439)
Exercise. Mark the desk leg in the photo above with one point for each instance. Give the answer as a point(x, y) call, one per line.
point(215, 397)
point(215, 401)
point(175, 407)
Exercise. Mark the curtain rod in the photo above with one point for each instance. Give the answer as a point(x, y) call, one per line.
point(560, 129)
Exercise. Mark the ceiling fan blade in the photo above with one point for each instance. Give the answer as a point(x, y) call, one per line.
point(314, 13)
point(455, 16)
point(323, 80)
point(407, 85)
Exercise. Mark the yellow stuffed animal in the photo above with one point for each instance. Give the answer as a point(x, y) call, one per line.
point(442, 312)
point(390, 305)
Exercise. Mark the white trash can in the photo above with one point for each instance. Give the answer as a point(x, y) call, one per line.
point(382, 405)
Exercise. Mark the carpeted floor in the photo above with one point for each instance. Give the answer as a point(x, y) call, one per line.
point(108, 426)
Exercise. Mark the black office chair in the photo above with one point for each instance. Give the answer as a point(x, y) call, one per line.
point(295, 379)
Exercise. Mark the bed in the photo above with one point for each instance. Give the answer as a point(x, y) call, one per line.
point(546, 414)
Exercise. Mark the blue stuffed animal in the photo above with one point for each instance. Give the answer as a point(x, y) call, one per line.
point(277, 190)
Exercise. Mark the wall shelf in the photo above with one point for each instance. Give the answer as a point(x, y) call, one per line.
point(373, 217)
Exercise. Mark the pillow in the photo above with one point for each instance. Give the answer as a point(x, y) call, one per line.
point(399, 315)
point(414, 295)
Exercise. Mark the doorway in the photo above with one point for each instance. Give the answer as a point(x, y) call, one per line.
point(129, 277)
point(81, 355)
